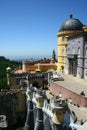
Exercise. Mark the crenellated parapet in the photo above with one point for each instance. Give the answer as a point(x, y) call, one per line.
point(59, 109)
point(48, 114)
point(43, 109)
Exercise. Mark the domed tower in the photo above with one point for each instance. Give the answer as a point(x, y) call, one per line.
point(70, 27)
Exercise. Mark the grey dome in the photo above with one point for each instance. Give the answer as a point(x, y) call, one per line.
point(71, 24)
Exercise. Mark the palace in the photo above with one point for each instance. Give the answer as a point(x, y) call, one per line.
point(72, 47)
point(63, 98)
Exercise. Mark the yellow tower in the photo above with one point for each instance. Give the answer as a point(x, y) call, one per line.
point(70, 27)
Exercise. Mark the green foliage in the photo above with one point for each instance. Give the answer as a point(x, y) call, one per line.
point(4, 63)
point(19, 129)
point(3, 83)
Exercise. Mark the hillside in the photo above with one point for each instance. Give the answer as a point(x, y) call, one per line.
point(4, 63)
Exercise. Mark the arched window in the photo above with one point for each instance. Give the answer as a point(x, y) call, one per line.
point(62, 51)
point(63, 38)
point(63, 58)
point(86, 51)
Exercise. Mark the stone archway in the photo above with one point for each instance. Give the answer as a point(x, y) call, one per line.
point(36, 84)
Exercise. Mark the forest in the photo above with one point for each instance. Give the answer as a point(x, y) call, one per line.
point(4, 63)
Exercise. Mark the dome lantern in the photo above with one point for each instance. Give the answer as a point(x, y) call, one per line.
point(71, 16)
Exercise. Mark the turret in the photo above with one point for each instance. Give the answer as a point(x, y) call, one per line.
point(29, 124)
point(3, 122)
point(59, 108)
point(39, 112)
point(24, 66)
point(8, 70)
point(53, 56)
point(38, 69)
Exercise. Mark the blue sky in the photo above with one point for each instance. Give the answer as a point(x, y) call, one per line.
point(28, 28)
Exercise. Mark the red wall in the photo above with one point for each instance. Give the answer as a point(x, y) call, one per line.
point(76, 98)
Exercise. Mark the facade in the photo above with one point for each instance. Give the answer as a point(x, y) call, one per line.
point(76, 59)
point(69, 28)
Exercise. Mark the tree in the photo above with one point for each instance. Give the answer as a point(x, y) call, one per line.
point(4, 63)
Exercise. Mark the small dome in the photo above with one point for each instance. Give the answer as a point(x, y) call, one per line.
point(8, 68)
point(71, 24)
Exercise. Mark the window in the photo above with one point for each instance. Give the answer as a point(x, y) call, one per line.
point(63, 38)
point(79, 61)
point(73, 50)
point(62, 58)
point(86, 51)
point(79, 52)
point(86, 73)
point(62, 51)
point(18, 81)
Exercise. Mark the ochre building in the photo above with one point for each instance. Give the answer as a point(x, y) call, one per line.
point(70, 27)
point(42, 66)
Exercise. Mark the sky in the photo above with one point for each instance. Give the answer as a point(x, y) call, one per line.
point(28, 28)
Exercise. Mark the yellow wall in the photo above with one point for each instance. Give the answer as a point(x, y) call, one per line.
point(46, 67)
point(32, 68)
point(85, 28)
point(42, 67)
point(62, 43)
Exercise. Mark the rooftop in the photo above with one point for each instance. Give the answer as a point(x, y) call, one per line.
point(71, 24)
point(74, 84)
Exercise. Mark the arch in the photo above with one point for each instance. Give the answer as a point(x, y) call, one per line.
point(36, 84)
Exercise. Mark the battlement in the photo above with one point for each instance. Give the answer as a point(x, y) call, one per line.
point(58, 103)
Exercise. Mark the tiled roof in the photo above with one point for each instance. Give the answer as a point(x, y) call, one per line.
point(19, 71)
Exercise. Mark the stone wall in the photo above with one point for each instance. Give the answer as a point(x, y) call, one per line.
point(13, 105)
